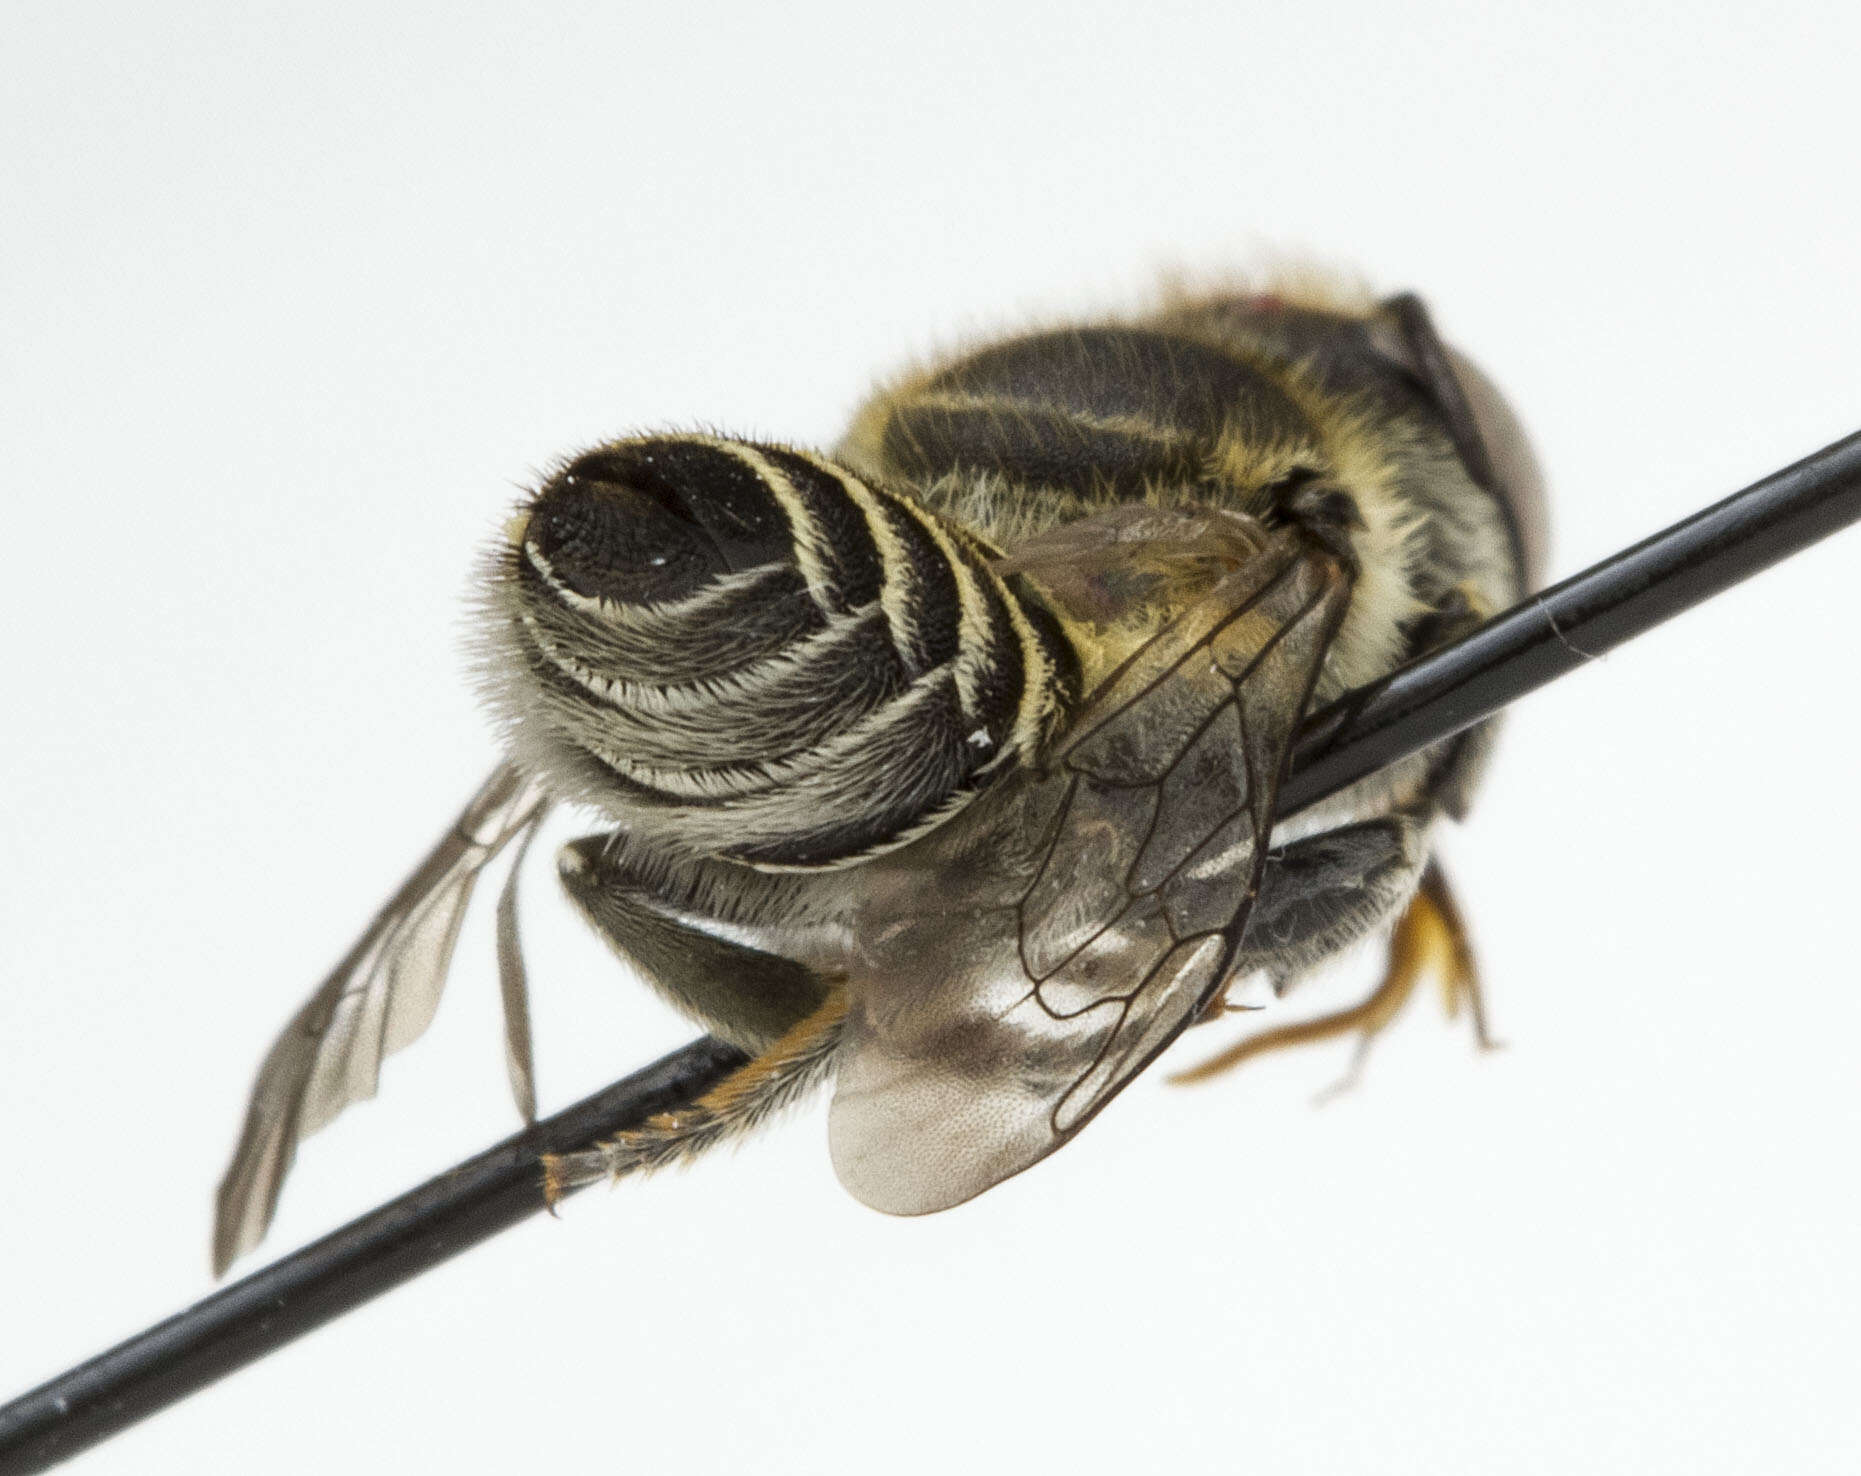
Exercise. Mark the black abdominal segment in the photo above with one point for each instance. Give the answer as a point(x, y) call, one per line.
point(1096, 412)
point(754, 634)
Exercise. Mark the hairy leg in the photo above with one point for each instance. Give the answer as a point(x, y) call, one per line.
point(747, 996)
point(782, 1074)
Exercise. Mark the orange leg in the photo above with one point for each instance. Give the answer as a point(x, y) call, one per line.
point(1431, 935)
point(796, 1062)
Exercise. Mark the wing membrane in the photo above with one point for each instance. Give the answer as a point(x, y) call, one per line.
point(1029, 961)
point(379, 998)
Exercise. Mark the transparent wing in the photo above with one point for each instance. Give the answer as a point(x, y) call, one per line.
point(1025, 966)
point(514, 985)
point(377, 1000)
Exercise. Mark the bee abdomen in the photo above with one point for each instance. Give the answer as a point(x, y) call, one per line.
point(1096, 412)
point(764, 656)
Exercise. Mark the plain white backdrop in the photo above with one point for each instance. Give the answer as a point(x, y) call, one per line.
point(294, 301)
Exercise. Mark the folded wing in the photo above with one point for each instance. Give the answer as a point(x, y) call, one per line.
point(380, 998)
point(1023, 967)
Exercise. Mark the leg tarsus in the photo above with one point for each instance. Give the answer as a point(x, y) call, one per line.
point(789, 1068)
point(1353, 1075)
point(1456, 968)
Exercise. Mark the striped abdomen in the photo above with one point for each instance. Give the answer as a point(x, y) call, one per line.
point(1095, 412)
point(744, 650)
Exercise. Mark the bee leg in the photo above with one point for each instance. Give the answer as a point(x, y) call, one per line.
point(788, 1069)
point(1455, 966)
point(1322, 893)
point(787, 1016)
point(748, 997)
point(1431, 934)
point(1430, 937)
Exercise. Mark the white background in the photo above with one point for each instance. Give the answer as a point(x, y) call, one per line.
point(293, 302)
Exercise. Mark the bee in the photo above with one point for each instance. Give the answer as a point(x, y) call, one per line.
point(944, 765)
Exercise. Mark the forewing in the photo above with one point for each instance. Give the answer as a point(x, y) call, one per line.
point(1022, 969)
point(377, 1000)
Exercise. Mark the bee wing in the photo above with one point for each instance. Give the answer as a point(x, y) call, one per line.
point(514, 985)
point(1032, 966)
point(379, 998)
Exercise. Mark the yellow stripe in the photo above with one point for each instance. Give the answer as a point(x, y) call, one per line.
point(898, 591)
point(1007, 407)
point(624, 613)
point(693, 697)
point(1039, 677)
point(972, 629)
point(805, 534)
point(972, 626)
